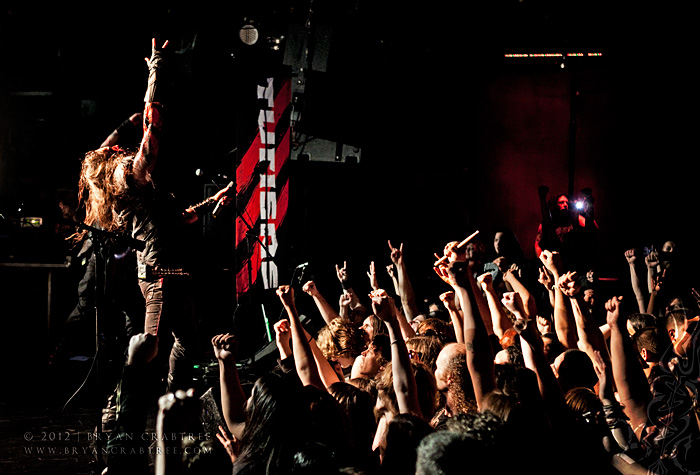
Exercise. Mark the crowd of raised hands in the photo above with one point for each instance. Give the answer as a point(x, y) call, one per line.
point(519, 366)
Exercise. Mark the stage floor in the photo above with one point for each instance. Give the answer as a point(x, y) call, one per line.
point(47, 425)
point(46, 441)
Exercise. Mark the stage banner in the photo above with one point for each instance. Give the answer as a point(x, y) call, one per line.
point(262, 186)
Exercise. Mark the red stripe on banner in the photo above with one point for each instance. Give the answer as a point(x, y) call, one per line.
point(243, 283)
point(244, 172)
point(252, 209)
point(250, 214)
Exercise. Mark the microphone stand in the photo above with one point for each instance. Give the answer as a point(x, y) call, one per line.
point(134, 243)
point(249, 266)
point(100, 238)
point(251, 234)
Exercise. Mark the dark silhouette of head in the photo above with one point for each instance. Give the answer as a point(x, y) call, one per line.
point(403, 435)
point(358, 404)
point(575, 369)
point(467, 436)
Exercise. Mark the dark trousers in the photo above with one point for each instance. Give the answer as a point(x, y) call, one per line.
point(170, 316)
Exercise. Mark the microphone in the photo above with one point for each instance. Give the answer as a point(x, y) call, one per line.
point(219, 205)
point(302, 265)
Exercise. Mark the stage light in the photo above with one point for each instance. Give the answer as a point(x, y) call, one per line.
point(249, 34)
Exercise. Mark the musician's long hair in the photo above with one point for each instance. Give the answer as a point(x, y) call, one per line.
point(102, 189)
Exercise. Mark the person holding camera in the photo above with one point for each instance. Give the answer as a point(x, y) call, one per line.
point(568, 227)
